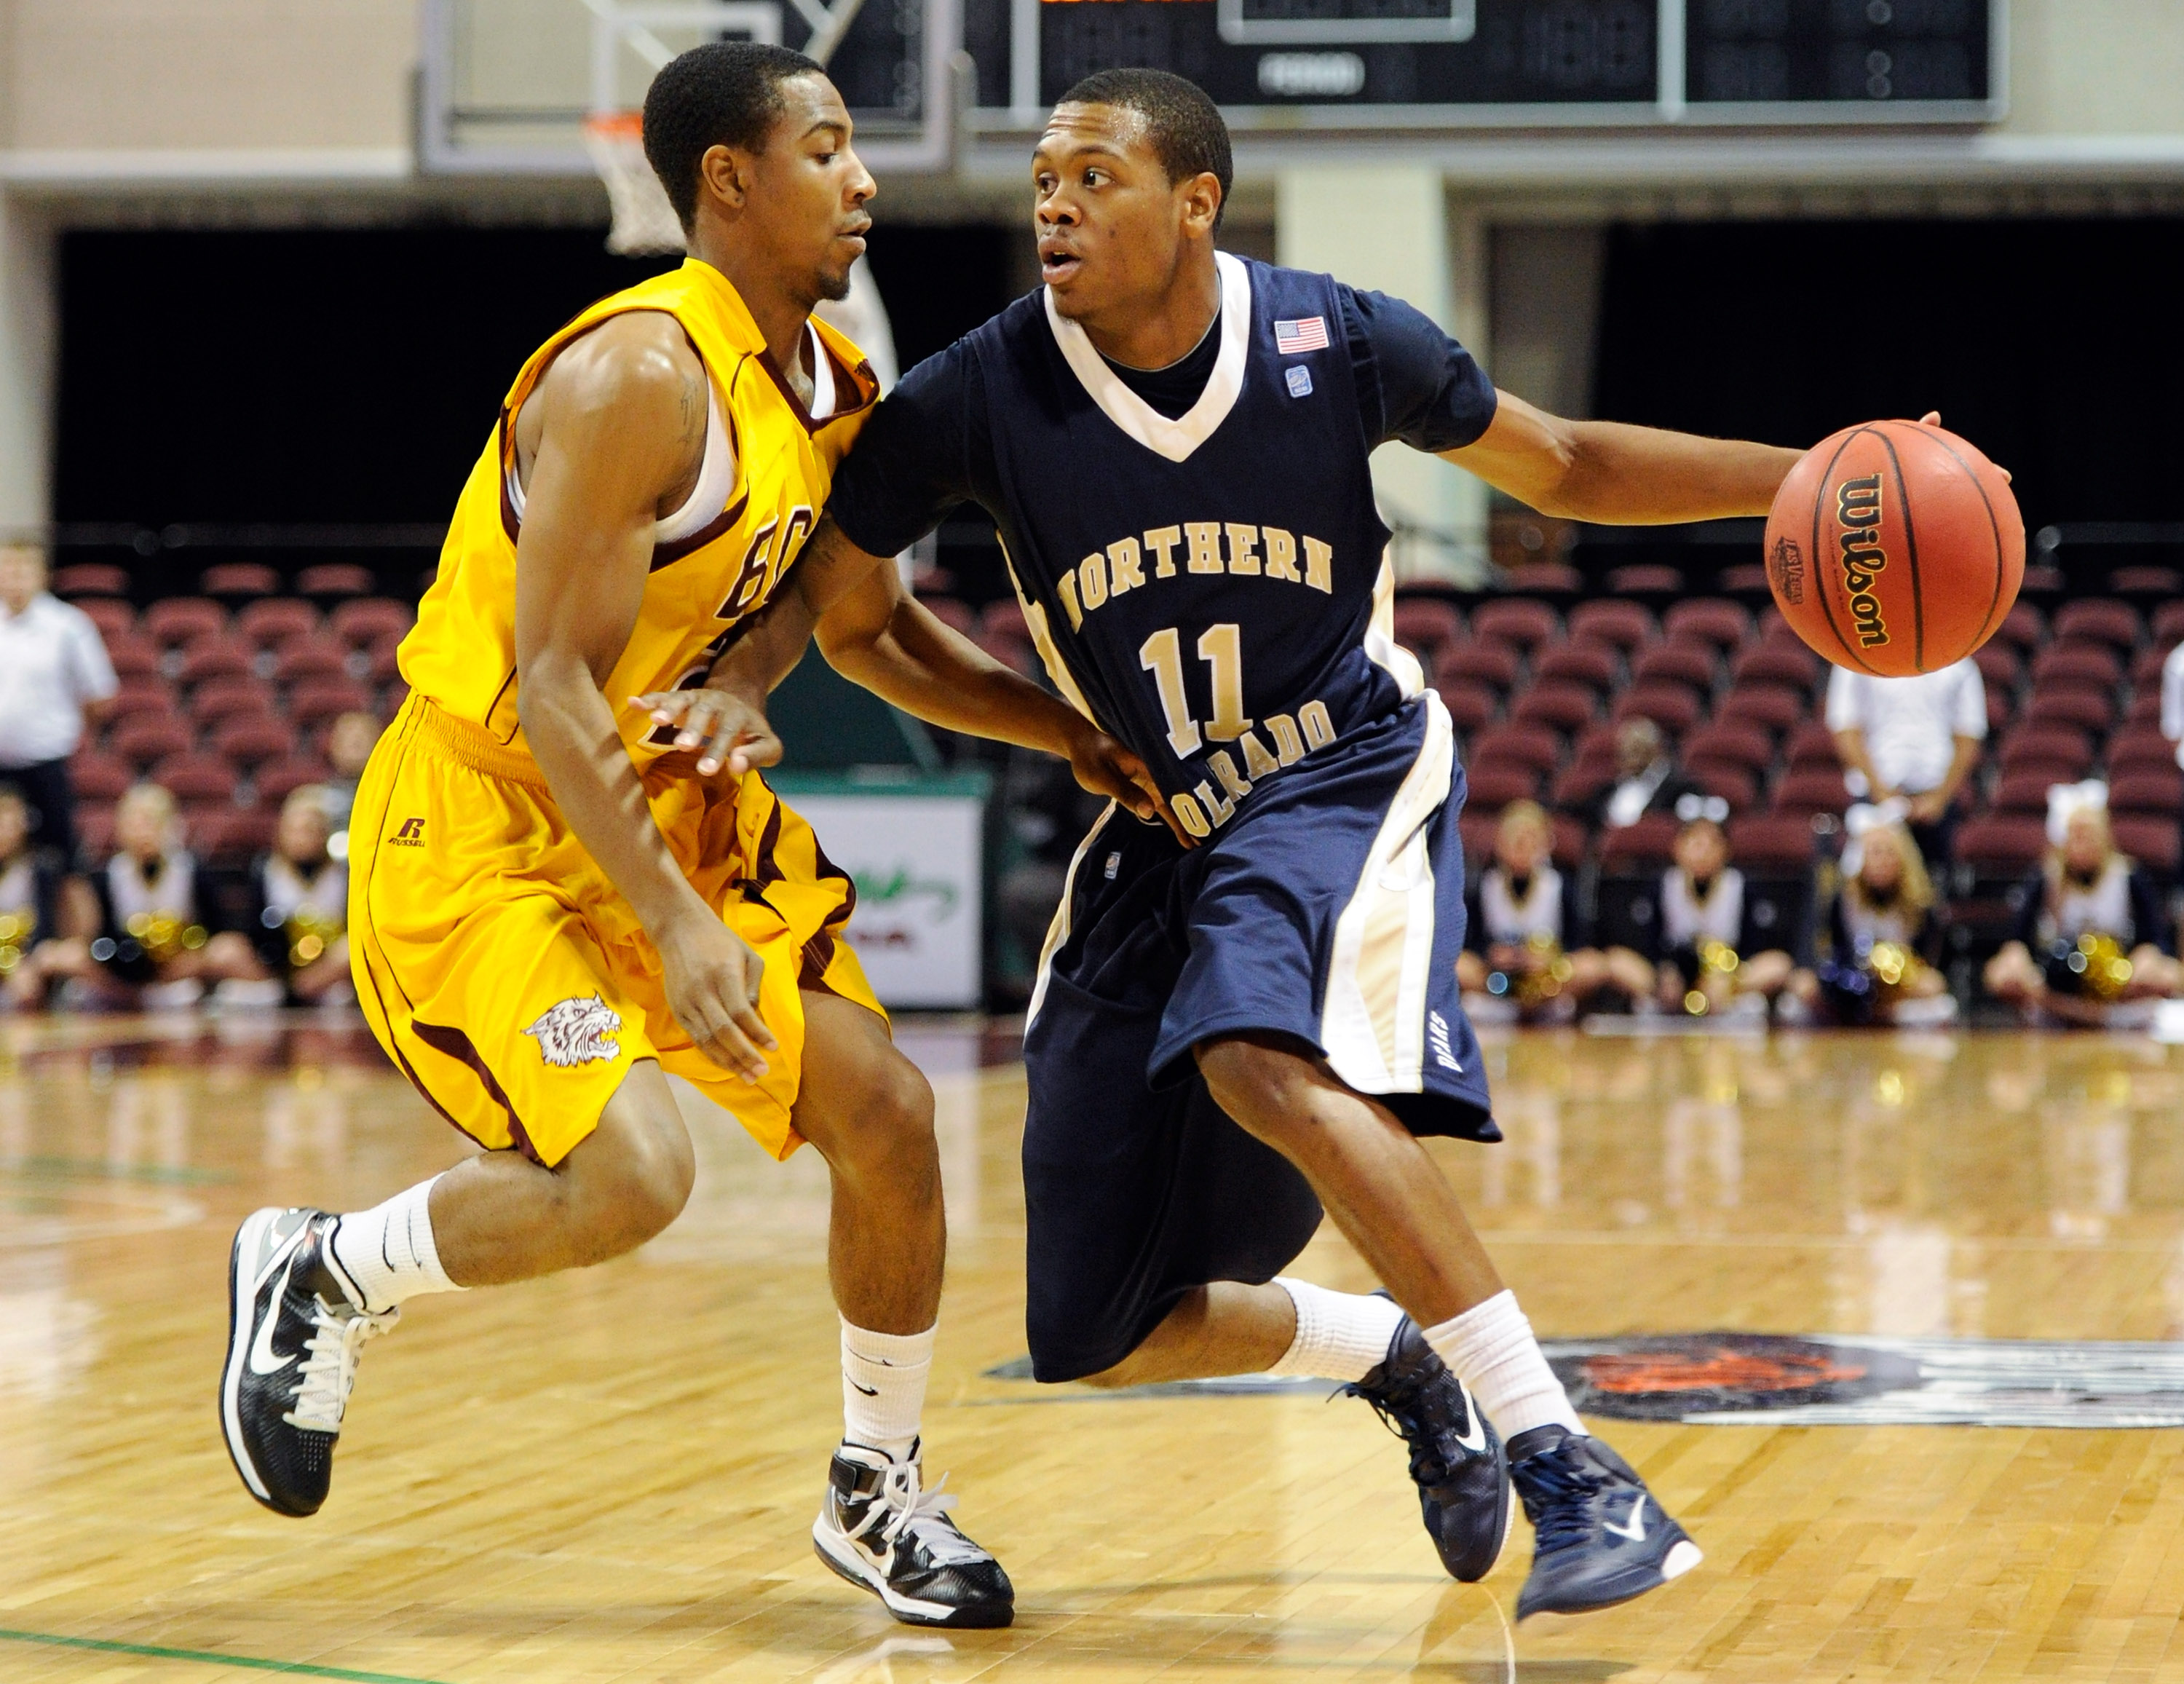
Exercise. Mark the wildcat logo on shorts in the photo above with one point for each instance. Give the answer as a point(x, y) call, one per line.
point(577, 1032)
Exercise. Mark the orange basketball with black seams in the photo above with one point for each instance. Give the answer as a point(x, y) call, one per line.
point(1895, 548)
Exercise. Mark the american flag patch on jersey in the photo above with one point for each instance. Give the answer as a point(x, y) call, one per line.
point(1309, 333)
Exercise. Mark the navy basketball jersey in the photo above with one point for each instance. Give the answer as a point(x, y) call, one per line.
point(1210, 589)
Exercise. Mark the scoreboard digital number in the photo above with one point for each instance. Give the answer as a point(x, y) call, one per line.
point(1351, 64)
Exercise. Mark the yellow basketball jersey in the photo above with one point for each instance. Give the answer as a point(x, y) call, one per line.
point(461, 653)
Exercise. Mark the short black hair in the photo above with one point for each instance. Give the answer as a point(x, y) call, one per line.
point(724, 93)
point(1184, 124)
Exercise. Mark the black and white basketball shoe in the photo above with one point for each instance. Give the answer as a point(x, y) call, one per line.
point(880, 1530)
point(295, 1328)
point(1456, 1455)
point(1601, 1536)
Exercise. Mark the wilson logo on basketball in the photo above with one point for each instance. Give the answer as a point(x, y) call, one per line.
point(1858, 507)
point(1785, 570)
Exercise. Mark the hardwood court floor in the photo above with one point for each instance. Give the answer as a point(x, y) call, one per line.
point(609, 1476)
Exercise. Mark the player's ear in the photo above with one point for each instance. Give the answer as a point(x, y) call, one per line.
point(724, 174)
point(1201, 202)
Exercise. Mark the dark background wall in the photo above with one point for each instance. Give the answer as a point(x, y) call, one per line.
point(354, 375)
point(2056, 346)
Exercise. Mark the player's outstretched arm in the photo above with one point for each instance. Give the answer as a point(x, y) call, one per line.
point(1620, 475)
point(620, 423)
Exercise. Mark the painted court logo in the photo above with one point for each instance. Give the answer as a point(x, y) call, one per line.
point(577, 1031)
point(411, 835)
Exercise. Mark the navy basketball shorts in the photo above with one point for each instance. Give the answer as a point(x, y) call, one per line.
point(1330, 910)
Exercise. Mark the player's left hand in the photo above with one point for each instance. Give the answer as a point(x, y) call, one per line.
point(727, 727)
point(1106, 768)
point(1933, 418)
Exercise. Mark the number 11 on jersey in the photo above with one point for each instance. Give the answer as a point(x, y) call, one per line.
point(1221, 648)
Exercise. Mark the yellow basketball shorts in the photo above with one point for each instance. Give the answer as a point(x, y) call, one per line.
point(509, 980)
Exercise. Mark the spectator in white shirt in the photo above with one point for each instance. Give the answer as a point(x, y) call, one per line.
point(2172, 700)
point(55, 676)
point(1917, 738)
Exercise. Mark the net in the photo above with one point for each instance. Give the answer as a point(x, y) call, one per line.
point(644, 222)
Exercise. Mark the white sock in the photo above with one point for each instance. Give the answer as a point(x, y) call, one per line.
point(1339, 1336)
point(1492, 1350)
point(884, 1377)
point(388, 1251)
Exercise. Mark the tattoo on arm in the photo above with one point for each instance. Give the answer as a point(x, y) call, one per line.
point(694, 413)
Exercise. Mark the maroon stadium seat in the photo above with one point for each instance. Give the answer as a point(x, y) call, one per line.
point(1469, 705)
point(1775, 706)
point(1580, 781)
point(318, 698)
point(112, 616)
point(133, 653)
point(276, 619)
point(1425, 623)
point(1708, 620)
point(2145, 707)
point(2021, 627)
point(393, 694)
point(2079, 662)
point(2149, 792)
point(1481, 663)
point(1529, 745)
point(89, 578)
point(1692, 664)
point(2044, 745)
point(957, 617)
point(2002, 844)
point(1514, 620)
point(1998, 664)
point(336, 579)
point(2000, 709)
point(191, 777)
point(1632, 849)
point(1646, 578)
point(2060, 703)
point(140, 693)
point(1672, 706)
point(143, 738)
point(2022, 792)
point(1776, 663)
point(2163, 582)
point(236, 693)
point(1561, 706)
point(1727, 739)
point(221, 655)
point(184, 619)
point(1807, 791)
point(99, 777)
point(2146, 667)
point(313, 657)
point(2169, 623)
point(2042, 581)
point(94, 829)
point(2135, 749)
point(1812, 744)
point(1495, 785)
point(1625, 624)
point(276, 780)
point(1732, 782)
point(1746, 578)
point(249, 739)
point(1013, 652)
point(244, 833)
point(239, 579)
point(1591, 663)
point(383, 661)
point(2152, 842)
point(368, 619)
point(2098, 620)
point(1771, 842)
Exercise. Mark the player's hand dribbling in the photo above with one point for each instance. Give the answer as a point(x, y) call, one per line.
point(727, 727)
point(1106, 768)
point(712, 978)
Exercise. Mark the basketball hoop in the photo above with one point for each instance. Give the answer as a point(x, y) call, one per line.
point(644, 222)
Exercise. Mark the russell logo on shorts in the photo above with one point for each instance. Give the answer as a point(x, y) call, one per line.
point(577, 1031)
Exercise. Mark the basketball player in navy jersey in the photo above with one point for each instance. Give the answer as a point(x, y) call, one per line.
point(1247, 1009)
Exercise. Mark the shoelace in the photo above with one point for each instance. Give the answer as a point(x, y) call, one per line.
point(327, 1374)
point(921, 1513)
point(1399, 1413)
point(1561, 1514)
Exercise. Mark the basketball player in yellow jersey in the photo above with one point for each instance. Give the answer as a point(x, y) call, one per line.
point(552, 903)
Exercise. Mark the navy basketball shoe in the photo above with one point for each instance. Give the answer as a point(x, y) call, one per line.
point(294, 1331)
point(1457, 1459)
point(877, 1529)
point(1602, 1538)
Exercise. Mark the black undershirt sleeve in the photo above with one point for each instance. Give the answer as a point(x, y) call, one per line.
point(1414, 383)
point(912, 463)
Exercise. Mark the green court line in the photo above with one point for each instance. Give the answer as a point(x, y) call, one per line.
point(156, 1652)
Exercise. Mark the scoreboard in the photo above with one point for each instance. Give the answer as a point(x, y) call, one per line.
point(1460, 64)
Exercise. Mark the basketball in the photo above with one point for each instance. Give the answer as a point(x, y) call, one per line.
point(1895, 548)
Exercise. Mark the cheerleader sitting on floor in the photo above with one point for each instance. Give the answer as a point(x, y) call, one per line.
point(1525, 952)
point(1880, 966)
point(303, 903)
point(1710, 956)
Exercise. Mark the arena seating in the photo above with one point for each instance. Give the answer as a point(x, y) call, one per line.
point(227, 695)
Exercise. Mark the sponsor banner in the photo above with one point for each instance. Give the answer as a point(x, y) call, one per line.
point(916, 862)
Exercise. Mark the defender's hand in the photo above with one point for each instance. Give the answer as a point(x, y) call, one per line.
point(729, 729)
point(711, 978)
point(1106, 768)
